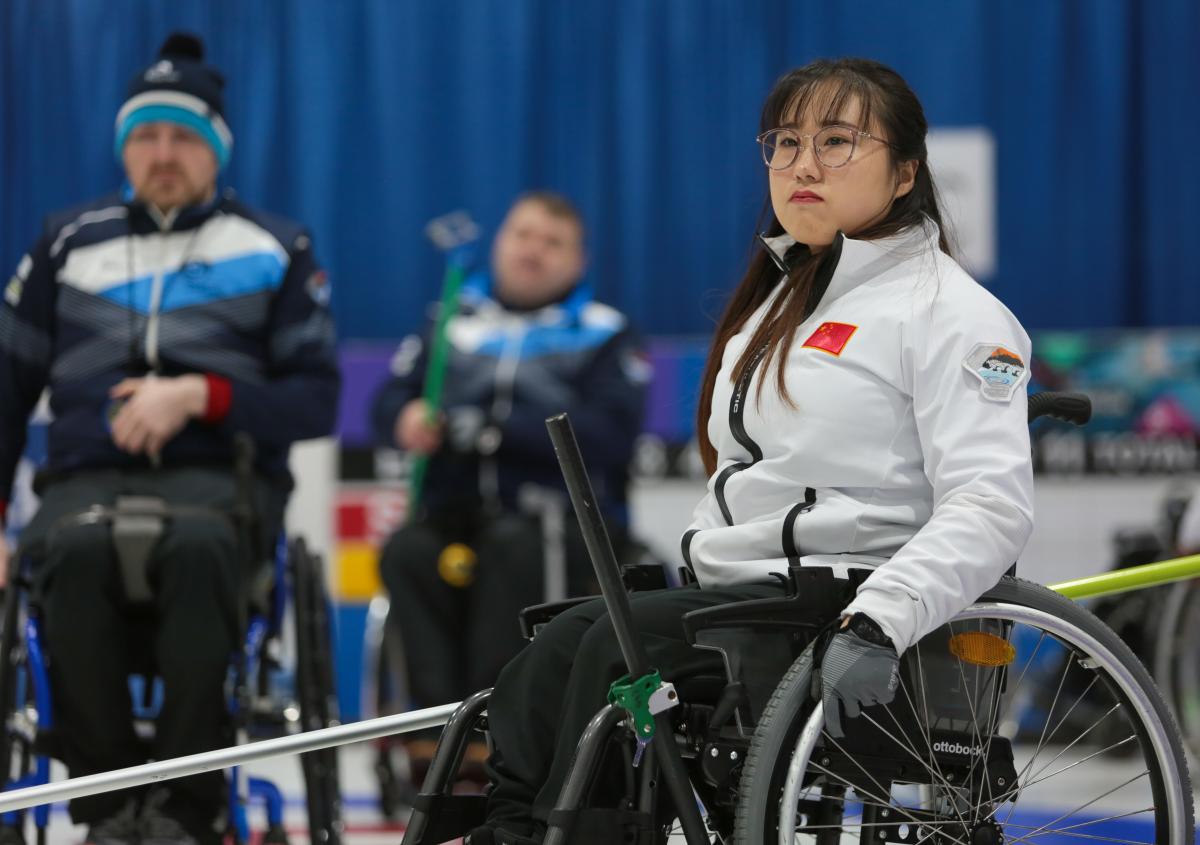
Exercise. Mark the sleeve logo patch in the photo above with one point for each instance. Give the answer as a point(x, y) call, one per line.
point(831, 337)
point(999, 370)
point(636, 366)
point(12, 293)
point(406, 356)
point(318, 287)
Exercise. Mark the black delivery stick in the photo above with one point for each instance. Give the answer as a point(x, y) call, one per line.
point(595, 535)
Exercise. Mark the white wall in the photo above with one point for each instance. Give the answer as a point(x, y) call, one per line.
point(311, 509)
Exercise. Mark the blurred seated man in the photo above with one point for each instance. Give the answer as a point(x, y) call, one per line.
point(528, 341)
point(164, 320)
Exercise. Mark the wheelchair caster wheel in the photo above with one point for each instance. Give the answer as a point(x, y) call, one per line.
point(275, 835)
point(317, 695)
point(392, 792)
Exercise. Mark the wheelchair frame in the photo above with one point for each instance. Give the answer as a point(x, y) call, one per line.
point(253, 705)
point(432, 818)
point(1156, 719)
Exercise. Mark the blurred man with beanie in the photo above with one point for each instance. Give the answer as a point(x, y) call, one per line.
point(163, 320)
point(179, 88)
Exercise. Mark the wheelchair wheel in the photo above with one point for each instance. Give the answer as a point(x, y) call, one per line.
point(20, 741)
point(10, 667)
point(951, 760)
point(315, 692)
point(1176, 663)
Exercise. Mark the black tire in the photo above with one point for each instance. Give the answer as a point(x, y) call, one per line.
point(316, 692)
point(18, 746)
point(780, 725)
point(1177, 663)
point(1116, 673)
point(10, 666)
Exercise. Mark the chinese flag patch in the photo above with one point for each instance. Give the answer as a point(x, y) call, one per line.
point(831, 337)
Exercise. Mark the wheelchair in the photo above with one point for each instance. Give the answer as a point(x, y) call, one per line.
point(288, 615)
point(384, 669)
point(957, 757)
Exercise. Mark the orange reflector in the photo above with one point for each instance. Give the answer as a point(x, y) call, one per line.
point(982, 649)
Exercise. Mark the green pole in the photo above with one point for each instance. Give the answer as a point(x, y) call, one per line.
point(1133, 578)
point(435, 375)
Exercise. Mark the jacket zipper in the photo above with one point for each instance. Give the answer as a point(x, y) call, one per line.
point(737, 410)
point(156, 288)
point(504, 385)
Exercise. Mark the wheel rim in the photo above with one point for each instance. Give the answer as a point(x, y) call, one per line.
point(1188, 690)
point(1178, 668)
point(314, 688)
point(1059, 753)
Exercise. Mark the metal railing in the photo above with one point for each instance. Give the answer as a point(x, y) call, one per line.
point(223, 758)
point(1095, 586)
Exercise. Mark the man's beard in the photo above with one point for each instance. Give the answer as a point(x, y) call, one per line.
point(176, 194)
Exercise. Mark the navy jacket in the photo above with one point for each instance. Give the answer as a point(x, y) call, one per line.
point(112, 290)
point(508, 370)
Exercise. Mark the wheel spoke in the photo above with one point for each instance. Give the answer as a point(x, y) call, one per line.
point(1083, 836)
point(1013, 694)
point(912, 752)
point(1071, 745)
point(975, 728)
point(1073, 676)
point(1070, 813)
point(1114, 817)
point(880, 802)
point(1044, 739)
point(1091, 756)
point(861, 825)
point(926, 723)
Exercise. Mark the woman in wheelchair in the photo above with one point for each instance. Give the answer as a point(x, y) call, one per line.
point(853, 414)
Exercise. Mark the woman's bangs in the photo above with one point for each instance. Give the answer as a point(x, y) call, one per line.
point(823, 101)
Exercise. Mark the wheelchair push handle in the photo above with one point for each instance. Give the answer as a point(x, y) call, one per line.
point(1074, 408)
point(608, 572)
point(245, 453)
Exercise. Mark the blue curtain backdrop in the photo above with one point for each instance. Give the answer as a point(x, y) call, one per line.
point(365, 119)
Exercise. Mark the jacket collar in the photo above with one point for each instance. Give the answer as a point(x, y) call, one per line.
point(187, 217)
point(863, 260)
point(478, 291)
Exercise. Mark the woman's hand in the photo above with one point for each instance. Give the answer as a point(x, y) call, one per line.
point(858, 670)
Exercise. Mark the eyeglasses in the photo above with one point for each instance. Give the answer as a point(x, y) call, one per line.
point(833, 145)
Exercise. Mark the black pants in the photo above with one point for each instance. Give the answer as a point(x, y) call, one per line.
point(96, 638)
point(545, 697)
point(458, 636)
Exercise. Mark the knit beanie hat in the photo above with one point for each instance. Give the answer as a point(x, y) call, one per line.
point(178, 88)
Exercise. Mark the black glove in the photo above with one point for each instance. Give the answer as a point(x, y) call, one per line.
point(860, 668)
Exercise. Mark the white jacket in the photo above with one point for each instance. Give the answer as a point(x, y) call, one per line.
point(907, 448)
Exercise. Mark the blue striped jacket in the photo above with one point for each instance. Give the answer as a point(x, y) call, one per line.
point(518, 367)
point(113, 289)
